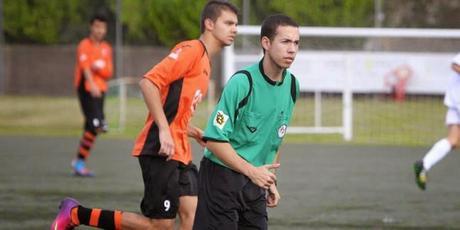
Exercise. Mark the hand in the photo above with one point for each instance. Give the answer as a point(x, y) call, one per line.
point(95, 92)
point(166, 144)
point(262, 177)
point(273, 196)
point(98, 65)
point(197, 134)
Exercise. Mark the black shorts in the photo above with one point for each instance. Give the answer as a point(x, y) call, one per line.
point(93, 111)
point(164, 182)
point(228, 200)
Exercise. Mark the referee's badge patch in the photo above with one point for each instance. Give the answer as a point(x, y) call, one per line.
point(220, 119)
point(282, 131)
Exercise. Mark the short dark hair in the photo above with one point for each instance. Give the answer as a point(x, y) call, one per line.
point(272, 22)
point(212, 10)
point(98, 17)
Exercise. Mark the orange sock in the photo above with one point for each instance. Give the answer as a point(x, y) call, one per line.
point(96, 217)
point(86, 143)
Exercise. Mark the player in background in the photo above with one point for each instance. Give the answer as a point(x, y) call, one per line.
point(93, 68)
point(172, 89)
point(397, 80)
point(244, 133)
point(441, 148)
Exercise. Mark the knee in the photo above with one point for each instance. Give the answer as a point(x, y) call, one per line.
point(453, 141)
point(160, 224)
point(187, 215)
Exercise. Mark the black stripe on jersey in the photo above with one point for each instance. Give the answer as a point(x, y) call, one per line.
point(152, 142)
point(205, 139)
point(205, 51)
point(293, 88)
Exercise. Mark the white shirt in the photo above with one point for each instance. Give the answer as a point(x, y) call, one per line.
point(452, 97)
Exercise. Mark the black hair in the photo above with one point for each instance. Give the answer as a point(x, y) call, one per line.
point(98, 17)
point(213, 9)
point(272, 22)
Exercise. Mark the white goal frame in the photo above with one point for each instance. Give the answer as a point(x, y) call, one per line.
point(346, 129)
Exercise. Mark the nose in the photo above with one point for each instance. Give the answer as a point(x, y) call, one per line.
point(293, 47)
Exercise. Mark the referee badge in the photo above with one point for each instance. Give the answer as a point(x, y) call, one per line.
point(220, 119)
point(282, 131)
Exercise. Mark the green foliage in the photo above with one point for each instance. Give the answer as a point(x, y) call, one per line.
point(33, 21)
point(173, 21)
point(318, 12)
point(48, 22)
point(160, 21)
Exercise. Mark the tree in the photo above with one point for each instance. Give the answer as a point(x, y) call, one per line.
point(161, 21)
point(50, 21)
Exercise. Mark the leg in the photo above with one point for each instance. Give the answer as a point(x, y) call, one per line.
point(187, 210)
point(188, 181)
point(443, 147)
point(108, 220)
point(454, 135)
point(161, 191)
point(72, 214)
point(133, 221)
point(254, 215)
point(218, 199)
point(440, 149)
point(99, 114)
point(89, 135)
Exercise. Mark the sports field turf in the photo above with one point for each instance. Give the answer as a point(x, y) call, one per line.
point(322, 186)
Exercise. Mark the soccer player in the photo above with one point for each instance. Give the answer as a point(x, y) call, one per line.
point(441, 148)
point(244, 133)
point(172, 89)
point(93, 68)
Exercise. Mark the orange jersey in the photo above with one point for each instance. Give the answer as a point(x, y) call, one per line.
point(182, 79)
point(97, 58)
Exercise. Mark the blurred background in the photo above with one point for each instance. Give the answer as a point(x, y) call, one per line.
point(38, 41)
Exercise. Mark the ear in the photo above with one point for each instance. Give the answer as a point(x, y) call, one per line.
point(265, 42)
point(208, 24)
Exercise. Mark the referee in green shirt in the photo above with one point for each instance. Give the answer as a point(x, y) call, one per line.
point(244, 133)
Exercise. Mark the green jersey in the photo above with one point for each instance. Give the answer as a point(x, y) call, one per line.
point(253, 114)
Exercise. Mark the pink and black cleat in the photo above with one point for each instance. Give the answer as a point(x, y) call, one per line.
point(63, 219)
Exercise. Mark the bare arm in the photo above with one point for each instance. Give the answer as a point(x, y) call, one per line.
point(196, 133)
point(277, 160)
point(152, 100)
point(261, 176)
point(273, 196)
point(95, 92)
point(456, 68)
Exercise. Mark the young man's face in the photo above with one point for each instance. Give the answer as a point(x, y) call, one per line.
point(225, 27)
point(98, 30)
point(283, 48)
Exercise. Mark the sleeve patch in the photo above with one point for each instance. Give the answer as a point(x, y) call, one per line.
point(83, 57)
point(220, 119)
point(175, 54)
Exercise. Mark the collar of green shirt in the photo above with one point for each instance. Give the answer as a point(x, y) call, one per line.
point(270, 81)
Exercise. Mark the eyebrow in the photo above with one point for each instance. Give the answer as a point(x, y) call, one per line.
point(290, 40)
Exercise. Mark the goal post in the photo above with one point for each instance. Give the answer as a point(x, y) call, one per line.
point(348, 67)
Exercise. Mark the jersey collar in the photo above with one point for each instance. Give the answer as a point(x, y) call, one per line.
point(205, 51)
point(267, 79)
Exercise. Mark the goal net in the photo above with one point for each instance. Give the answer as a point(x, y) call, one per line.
point(368, 85)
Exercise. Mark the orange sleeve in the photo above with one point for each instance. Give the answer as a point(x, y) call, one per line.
point(83, 55)
point(107, 71)
point(175, 66)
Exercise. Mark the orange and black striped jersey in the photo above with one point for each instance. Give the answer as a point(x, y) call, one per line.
point(182, 79)
point(98, 58)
